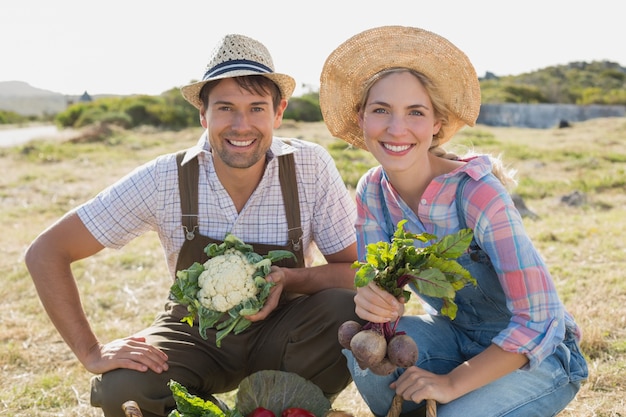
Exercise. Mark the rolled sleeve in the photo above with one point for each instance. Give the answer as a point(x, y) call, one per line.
point(123, 211)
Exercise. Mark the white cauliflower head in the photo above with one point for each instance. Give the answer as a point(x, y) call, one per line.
point(226, 281)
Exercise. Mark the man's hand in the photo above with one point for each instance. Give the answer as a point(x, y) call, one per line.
point(277, 276)
point(130, 352)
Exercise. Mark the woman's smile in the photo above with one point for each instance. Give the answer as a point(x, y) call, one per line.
point(397, 148)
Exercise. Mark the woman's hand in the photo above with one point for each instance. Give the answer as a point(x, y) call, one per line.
point(130, 353)
point(377, 305)
point(417, 385)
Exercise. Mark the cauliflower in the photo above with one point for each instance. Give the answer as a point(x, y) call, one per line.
point(227, 280)
point(225, 289)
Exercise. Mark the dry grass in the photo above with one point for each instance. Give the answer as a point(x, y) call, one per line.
point(121, 290)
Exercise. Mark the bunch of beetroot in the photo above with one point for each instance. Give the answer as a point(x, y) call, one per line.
point(432, 270)
point(378, 346)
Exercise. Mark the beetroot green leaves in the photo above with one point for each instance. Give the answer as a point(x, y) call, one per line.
point(433, 269)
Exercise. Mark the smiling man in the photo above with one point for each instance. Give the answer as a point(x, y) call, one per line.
point(239, 178)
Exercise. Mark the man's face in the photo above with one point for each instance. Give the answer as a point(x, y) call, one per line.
point(240, 124)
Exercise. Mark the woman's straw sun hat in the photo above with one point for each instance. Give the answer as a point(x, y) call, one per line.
point(236, 56)
point(349, 66)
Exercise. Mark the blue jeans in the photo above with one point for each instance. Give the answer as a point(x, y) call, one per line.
point(445, 344)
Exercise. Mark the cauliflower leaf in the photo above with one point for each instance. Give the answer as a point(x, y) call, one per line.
point(229, 286)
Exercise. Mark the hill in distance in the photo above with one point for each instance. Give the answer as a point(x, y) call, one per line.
point(21, 89)
point(22, 98)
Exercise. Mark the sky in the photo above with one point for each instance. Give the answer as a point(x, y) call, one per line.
point(151, 46)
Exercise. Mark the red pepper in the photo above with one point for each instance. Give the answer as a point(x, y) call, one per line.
point(297, 412)
point(261, 412)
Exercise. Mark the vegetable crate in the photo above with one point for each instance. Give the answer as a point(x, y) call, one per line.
point(131, 409)
point(276, 391)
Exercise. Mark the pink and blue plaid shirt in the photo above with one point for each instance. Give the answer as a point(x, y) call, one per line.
point(539, 318)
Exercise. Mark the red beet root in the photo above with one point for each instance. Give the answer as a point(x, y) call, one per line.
point(369, 347)
point(402, 351)
point(347, 331)
point(384, 367)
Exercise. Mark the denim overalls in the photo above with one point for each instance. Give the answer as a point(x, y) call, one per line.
point(444, 344)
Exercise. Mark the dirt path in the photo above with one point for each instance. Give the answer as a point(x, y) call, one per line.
point(13, 136)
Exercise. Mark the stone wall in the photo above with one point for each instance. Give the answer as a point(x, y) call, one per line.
point(542, 116)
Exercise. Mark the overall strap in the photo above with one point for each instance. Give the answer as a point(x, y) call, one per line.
point(188, 177)
point(289, 188)
point(459, 209)
point(459, 201)
point(188, 187)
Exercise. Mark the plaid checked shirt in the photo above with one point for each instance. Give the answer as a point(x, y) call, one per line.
point(147, 199)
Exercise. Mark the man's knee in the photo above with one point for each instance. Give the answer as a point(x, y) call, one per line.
point(337, 304)
point(112, 389)
point(108, 393)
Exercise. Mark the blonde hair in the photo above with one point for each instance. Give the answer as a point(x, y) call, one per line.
point(441, 112)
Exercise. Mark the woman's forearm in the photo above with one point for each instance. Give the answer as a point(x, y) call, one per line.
point(484, 368)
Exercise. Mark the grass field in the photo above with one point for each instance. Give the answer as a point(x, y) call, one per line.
point(122, 290)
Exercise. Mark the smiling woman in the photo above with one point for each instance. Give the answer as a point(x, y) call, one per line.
point(403, 105)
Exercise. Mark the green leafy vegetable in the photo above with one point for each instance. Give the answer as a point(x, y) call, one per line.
point(188, 405)
point(278, 391)
point(272, 390)
point(432, 269)
point(434, 272)
point(226, 288)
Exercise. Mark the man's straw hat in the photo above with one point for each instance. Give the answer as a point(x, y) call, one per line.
point(356, 60)
point(237, 56)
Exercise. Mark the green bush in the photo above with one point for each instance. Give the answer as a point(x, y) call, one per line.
point(9, 117)
point(117, 118)
point(166, 111)
point(597, 82)
point(304, 109)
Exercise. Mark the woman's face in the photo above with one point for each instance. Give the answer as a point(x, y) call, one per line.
point(398, 121)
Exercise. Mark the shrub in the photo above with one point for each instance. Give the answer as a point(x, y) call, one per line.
point(303, 109)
